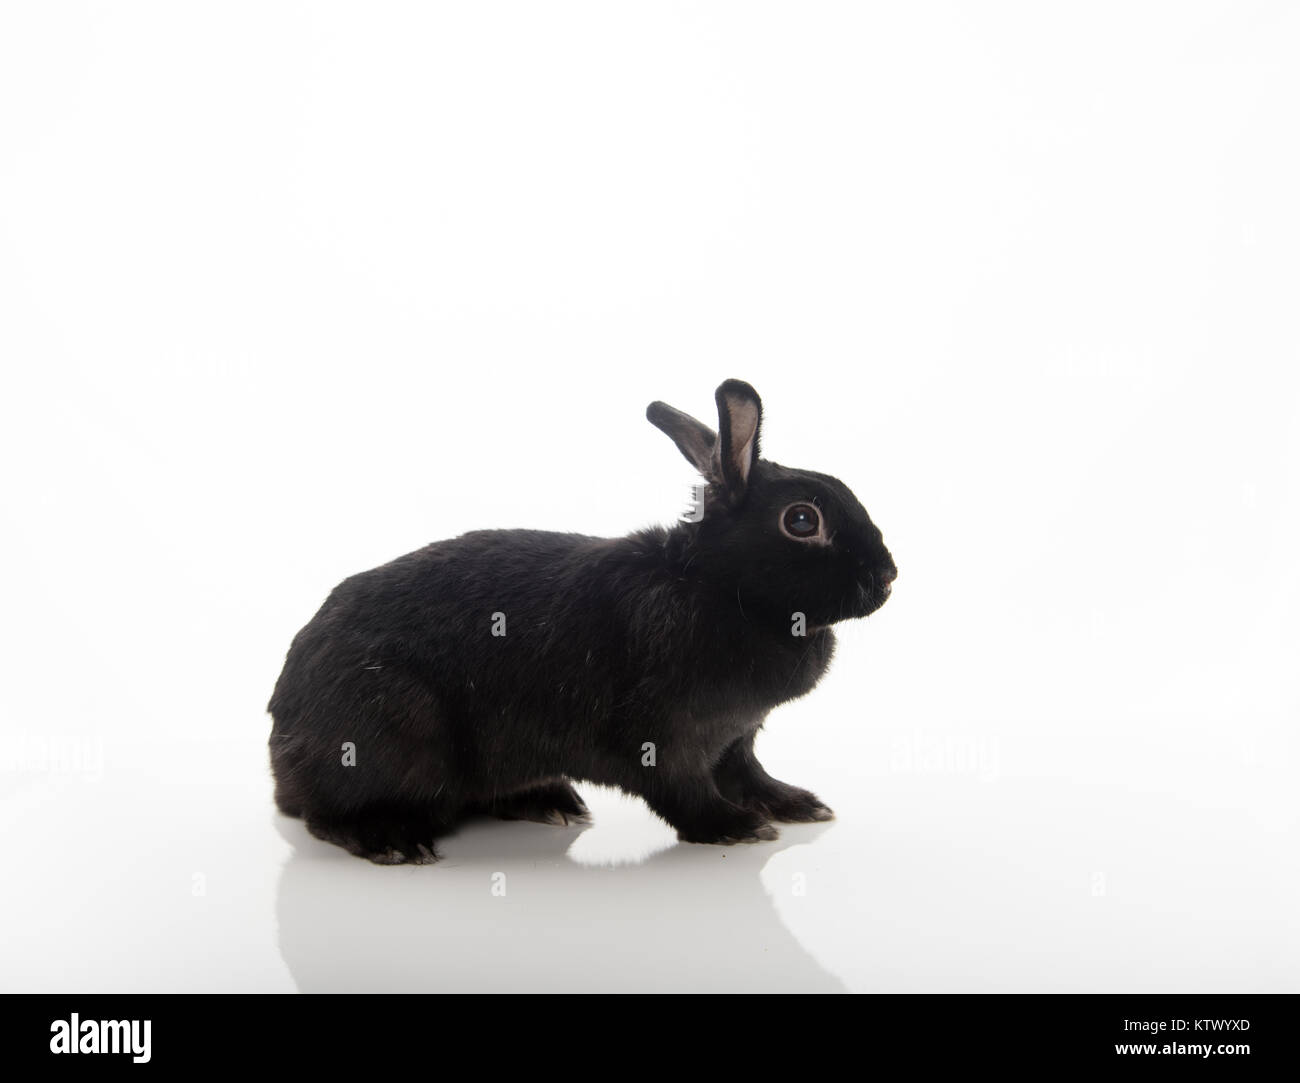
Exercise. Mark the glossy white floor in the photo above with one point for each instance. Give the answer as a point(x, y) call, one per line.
point(291, 290)
point(1039, 854)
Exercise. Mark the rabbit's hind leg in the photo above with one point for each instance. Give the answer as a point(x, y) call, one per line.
point(385, 834)
point(549, 803)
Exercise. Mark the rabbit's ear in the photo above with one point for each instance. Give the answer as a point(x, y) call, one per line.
point(740, 415)
point(693, 438)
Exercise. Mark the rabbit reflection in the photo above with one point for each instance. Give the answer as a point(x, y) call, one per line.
point(509, 909)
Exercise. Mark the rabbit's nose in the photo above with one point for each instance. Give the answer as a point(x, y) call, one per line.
point(888, 573)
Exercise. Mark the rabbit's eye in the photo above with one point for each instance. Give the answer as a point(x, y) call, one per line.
point(801, 520)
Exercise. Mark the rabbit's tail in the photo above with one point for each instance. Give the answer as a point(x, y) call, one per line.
point(286, 801)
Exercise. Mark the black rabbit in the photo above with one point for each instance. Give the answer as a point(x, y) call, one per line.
point(479, 675)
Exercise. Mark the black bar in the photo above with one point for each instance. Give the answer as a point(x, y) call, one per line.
point(334, 1032)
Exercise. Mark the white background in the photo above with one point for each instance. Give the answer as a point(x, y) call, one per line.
point(287, 290)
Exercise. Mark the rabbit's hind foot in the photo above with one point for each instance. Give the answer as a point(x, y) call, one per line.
point(386, 835)
point(550, 803)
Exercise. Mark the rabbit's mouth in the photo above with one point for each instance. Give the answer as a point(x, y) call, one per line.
point(873, 592)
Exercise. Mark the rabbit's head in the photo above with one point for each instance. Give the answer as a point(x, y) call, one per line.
point(782, 540)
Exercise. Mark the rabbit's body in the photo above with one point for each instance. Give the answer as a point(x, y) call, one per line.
point(482, 673)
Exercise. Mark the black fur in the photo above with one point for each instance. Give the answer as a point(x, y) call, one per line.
point(679, 638)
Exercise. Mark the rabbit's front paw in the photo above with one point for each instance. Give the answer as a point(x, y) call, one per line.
point(790, 805)
point(752, 828)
